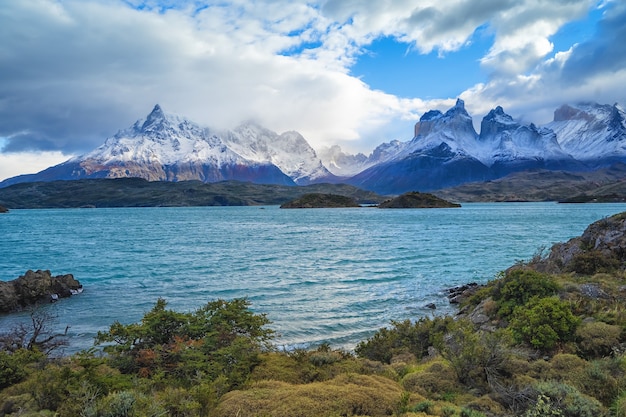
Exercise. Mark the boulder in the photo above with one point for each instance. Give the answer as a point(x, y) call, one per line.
point(35, 287)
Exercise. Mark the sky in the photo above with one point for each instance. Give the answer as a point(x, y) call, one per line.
point(353, 73)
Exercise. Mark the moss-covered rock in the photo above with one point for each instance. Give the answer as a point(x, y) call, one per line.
point(416, 199)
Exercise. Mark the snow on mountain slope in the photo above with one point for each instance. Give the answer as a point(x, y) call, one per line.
point(503, 140)
point(289, 151)
point(453, 128)
point(164, 139)
point(347, 165)
point(591, 132)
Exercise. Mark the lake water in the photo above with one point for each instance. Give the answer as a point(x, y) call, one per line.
point(321, 275)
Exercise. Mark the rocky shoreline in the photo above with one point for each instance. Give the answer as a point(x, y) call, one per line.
point(36, 287)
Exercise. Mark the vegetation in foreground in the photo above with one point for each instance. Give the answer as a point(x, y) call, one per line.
point(529, 343)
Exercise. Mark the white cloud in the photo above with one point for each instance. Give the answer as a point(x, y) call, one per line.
point(13, 164)
point(75, 71)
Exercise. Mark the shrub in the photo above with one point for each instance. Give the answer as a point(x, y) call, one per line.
point(591, 262)
point(220, 338)
point(435, 381)
point(423, 407)
point(597, 339)
point(543, 408)
point(568, 400)
point(476, 357)
point(13, 365)
point(618, 409)
point(347, 395)
point(543, 323)
point(403, 337)
point(518, 287)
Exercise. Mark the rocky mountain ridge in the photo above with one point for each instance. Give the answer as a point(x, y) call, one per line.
point(445, 151)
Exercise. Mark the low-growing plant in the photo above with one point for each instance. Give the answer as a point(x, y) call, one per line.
point(543, 407)
point(597, 339)
point(569, 400)
point(404, 337)
point(519, 286)
point(543, 323)
point(423, 407)
point(593, 261)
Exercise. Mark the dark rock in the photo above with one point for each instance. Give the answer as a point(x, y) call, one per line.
point(432, 306)
point(456, 295)
point(3, 209)
point(36, 287)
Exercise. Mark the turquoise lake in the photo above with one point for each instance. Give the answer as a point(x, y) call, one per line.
point(320, 275)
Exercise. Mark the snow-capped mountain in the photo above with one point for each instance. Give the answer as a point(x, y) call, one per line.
point(288, 151)
point(166, 147)
point(342, 164)
point(591, 132)
point(508, 146)
point(445, 151)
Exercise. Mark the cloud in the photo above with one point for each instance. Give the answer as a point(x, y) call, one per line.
point(605, 53)
point(76, 71)
point(592, 70)
point(12, 164)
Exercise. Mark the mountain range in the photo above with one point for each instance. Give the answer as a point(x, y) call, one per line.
point(445, 151)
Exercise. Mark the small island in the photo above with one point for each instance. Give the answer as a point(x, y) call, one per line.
point(416, 199)
point(318, 200)
point(3, 209)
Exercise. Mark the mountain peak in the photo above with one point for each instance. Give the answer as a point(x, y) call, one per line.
point(157, 110)
point(156, 117)
point(457, 109)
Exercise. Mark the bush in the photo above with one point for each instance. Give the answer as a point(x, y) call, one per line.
point(13, 365)
point(477, 358)
point(593, 261)
point(518, 287)
point(435, 381)
point(404, 337)
point(346, 395)
point(221, 338)
point(597, 339)
point(568, 400)
point(543, 323)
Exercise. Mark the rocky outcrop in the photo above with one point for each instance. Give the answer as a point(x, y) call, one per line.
point(36, 287)
point(601, 248)
point(4, 209)
point(417, 200)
